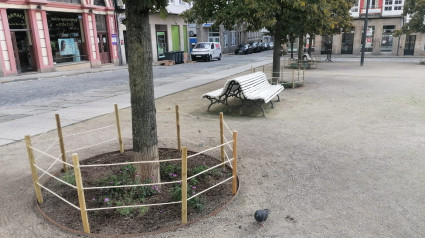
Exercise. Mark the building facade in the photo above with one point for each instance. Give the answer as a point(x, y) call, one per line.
point(169, 34)
point(54, 35)
point(384, 17)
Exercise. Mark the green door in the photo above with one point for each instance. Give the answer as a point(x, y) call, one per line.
point(175, 38)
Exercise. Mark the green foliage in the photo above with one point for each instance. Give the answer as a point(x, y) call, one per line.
point(169, 171)
point(125, 196)
point(196, 202)
point(68, 177)
point(416, 10)
point(197, 170)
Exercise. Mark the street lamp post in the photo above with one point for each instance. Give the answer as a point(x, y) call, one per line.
point(364, 34)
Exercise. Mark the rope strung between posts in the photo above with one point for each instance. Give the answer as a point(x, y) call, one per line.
point(51, 156)
point(228, 160)
point(85, 147)
point(212, 148)
point(126, 163)
point(228, 144)
point(38, 137)
point(85, 132)
point(63, 199)
point(206, 190)
point(132, 185)
point(225, 124)
point(204, 171)
point(58, 179)
point(54, 162)
point(132, 206)
point(48, 148)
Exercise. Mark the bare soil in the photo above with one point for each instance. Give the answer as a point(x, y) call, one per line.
point(152, 219)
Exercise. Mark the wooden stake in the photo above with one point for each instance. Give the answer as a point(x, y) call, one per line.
point(179, 146)
point(61, 142)
point(235, 163)
point(33, 169)
point(117, 117)
point(303, 76)
point(222, 155)
point(81, 199)
point(252, 70)
point(184, 185)
point(263, 68)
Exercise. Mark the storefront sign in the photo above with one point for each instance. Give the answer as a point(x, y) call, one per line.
point(16, 19)
point(114, 39)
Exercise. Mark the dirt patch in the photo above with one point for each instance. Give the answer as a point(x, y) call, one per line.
point(142, 219)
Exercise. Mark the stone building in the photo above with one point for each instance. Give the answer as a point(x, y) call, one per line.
point(41, 35)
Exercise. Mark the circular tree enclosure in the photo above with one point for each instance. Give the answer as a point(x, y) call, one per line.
point(103, 195)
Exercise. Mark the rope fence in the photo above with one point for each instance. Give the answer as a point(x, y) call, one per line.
point(288, 78)
point(224, 143)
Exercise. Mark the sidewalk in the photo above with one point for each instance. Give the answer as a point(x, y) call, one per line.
point(15, 130)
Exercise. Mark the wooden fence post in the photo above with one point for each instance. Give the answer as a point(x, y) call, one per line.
point(184, 185)
point(263, 68)
point(235, 163)
point(117, 117)
point(33, 169)
point(61, 142)
point(252, 70)
point(222, 138)
point(81, 199)
point(179, 146)
point(303, 76)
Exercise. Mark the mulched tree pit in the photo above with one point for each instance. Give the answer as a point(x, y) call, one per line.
point(137, 220)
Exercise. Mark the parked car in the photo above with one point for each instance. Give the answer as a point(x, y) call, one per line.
point(271, 45)
point(255, 48)
point(243, 49)
point(206, 51)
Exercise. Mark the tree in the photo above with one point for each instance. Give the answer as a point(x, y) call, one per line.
point(282, 18)
point(144, 128)
point(416, 9)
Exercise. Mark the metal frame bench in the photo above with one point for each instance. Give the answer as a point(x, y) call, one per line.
point(252, 88)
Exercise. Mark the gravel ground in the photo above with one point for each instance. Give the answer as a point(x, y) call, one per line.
point(340, 157)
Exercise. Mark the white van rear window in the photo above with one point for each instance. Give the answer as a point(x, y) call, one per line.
point(202, 46)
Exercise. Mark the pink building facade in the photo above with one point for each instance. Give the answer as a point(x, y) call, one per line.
point(43, 36)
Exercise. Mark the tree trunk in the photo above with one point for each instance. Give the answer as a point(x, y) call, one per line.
point(300, 48)
point(145, 141)
point(310, 43)
point(292, 50)
point(276, 58)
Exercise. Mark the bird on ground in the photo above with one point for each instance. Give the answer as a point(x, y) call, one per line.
point(261, 216)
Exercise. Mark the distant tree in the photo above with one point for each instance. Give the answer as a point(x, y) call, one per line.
point(282, 18)
point(144, 128)
point(416, 10)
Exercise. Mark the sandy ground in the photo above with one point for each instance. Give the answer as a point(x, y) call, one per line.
point(340, 157)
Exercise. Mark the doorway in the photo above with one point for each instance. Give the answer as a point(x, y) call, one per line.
point(347, 42)
point(409, 47)
point(102, 40)
point(22, 51)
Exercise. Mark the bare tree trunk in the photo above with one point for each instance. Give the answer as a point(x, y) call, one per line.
point(276, 58)
point(145, 141)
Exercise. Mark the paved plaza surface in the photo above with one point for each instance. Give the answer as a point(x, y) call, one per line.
point(340, 157)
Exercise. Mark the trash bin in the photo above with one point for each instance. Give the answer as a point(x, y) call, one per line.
point(180, 57)
point(171, 55)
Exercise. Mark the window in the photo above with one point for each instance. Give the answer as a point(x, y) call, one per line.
point(171, 1)
point(388, 8)
point(233, 38)
point(226, 42)
point(355, 8)
point(387, 38)
point(369, 38)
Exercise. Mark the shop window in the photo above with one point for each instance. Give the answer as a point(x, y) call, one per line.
point(387, 38)
point(214, 34)
point(66, 37)
point(67, 1)
point(99, 3)
point(369, 38)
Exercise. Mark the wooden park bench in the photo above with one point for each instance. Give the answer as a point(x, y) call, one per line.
point(252, 88)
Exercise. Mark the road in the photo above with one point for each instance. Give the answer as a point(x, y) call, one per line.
point(24, 102)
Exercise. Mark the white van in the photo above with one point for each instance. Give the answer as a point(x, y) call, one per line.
point(206, 51)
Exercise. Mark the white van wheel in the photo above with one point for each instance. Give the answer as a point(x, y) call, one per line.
point(210, 58)
point(219, 58)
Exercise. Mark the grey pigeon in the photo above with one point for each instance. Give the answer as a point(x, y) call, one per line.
point(261, 216)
